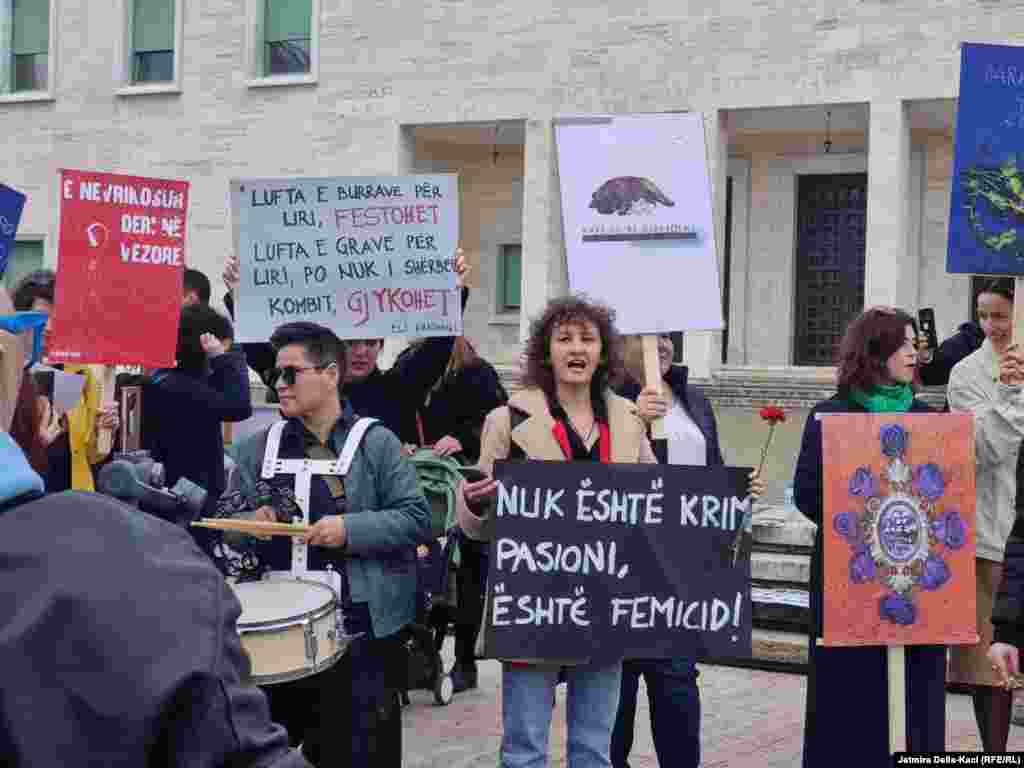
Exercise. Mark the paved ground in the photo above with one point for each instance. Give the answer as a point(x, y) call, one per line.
point(751, 720)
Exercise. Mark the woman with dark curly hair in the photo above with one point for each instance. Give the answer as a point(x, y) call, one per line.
point(566, 412)
point(847, 692)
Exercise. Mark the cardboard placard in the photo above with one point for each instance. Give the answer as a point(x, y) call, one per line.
point(120, 264)
point(617, 560)
point(637, 218)
point(367, 256)
point(899, 529)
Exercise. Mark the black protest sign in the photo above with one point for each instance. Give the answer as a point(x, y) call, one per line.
point(609, 561)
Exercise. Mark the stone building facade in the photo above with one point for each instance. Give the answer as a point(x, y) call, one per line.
point(829, 125)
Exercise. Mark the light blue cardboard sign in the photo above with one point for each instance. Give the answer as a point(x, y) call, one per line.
point(367, 256)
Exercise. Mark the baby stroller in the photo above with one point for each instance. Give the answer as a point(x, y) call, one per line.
point(425, 669)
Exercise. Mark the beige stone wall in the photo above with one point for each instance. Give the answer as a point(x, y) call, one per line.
point(385, 65)
point(490, 215)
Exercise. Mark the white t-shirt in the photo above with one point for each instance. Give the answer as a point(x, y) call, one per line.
point(686, 443)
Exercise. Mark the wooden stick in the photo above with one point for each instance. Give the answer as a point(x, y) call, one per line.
point(1018, 312)
point(652, 378)
point(897, 663)
point(254, 527)
point(107, 390)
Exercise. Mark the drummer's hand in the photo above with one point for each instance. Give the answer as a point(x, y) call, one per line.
point(264, 514)
point(327, 532)
point(1005, 661)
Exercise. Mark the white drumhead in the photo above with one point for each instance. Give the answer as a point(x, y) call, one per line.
point(267, 601)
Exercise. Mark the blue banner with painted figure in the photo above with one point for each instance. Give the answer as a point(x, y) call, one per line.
point(12, 203)
point(986, 222)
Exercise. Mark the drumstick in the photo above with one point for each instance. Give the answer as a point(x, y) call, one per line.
point(255, 527)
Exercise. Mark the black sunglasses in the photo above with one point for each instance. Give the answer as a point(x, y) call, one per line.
point(290, 373)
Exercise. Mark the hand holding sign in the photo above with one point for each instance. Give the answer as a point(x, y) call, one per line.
point(1011, 366)
point(231, 274)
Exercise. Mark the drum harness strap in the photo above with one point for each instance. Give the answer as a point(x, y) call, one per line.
point(333, 469)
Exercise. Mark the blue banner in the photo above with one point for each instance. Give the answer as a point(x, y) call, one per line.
point(986, 221)
point(12, 203)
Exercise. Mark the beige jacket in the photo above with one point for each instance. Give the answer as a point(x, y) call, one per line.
point(998, 409)
point(534, 436)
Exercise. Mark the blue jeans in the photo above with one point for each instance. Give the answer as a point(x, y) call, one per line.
point(675, 711)
point(527, 695)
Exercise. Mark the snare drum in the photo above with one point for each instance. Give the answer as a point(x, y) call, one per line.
point(289, 627)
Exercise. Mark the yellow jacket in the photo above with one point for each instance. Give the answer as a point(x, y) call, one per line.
point(82, 434)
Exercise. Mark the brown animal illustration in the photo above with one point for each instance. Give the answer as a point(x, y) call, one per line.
point(620, 194)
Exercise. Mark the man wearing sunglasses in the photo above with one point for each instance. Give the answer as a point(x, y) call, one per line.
point(365, 527)
point(117, 635)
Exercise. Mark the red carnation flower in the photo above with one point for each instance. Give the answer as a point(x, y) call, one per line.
point(773, 414)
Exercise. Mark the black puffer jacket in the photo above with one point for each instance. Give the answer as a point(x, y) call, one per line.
point(1008, 613)
point(459, 405)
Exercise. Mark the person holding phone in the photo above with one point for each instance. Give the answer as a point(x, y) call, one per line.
point(936, 361)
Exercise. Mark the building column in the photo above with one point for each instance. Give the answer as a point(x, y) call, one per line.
point(544, 271)
point(892, 268)
point(702, 350)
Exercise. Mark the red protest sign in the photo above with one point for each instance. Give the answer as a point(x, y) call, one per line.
point(120, 261)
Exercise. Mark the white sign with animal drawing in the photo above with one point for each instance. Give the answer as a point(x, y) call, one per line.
point(637, 218)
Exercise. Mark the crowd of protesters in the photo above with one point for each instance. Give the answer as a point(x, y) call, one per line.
point(583, 399)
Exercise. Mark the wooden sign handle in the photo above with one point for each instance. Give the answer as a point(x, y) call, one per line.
point(652, 378)
point(896, 656)
point(104, 439)
point(1018, 311)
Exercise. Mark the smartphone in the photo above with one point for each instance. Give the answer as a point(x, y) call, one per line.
point(926, 322)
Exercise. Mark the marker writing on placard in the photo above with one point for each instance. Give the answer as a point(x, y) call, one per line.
point(307, 305)
point(648, 612)
point(712, 511)
point(387, 214)
point(557, 557)
point(537, 609)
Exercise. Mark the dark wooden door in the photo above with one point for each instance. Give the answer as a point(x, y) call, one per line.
point(830, 242)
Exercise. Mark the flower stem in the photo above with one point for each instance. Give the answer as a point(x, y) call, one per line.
point(764, 450)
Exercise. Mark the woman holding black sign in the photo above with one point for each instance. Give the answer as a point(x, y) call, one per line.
point(566, 412)
point(691, 439)
point(847, 692)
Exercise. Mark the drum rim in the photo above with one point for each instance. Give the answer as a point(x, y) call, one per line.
point(299, 673)
point(292, 620)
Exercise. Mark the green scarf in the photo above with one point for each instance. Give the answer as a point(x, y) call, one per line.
point(885, 398)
